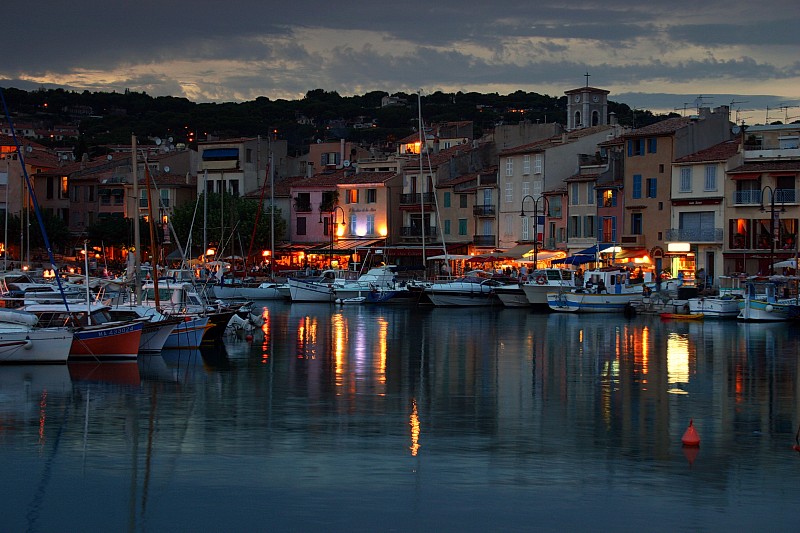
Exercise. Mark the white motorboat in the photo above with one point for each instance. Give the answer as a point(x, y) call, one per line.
point(470, 290)
point(319, 288)
point(714, 306)
point(512, 295)
point(21, 341)
point(545, 280)
point(260, 291)
point(156, 328)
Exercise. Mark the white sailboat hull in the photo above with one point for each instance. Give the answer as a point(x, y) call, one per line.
point(23, 345)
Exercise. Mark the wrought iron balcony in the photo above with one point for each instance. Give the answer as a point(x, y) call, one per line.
point(694, 235)
point(484, 210)
point(782, 196)
point(484, 240)
point(417, 198)
point(416, 231)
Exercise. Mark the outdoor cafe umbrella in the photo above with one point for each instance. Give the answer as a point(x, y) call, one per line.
point(789, 263)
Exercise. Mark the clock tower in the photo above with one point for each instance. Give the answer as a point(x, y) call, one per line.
point(586, 107)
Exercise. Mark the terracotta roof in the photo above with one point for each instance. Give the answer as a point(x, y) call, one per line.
point(719, 152)
point(665, 127)
point(768, 166)
point(342, 177)
point(437, 159)
point(556, 140)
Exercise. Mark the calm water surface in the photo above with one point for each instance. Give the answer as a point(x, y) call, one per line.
point(410, 419)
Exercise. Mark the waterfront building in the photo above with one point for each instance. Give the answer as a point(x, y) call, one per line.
point(762, 199)
point(649, 154)
point(698, 209)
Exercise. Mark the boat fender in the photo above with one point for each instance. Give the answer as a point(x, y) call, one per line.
point(769, 308)
point(540, 280)
point(28, 343)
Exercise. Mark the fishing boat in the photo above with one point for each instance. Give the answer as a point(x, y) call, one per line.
point(319, 288)
point(156, 328)
point(249, 291)
point(761, 302)
point(22, 342)
point(511, 295)
point(606, 291)
point(95, 335)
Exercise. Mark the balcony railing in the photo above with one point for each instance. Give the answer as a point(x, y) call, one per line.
point(782, 196)
point(416, 231)
point(483, 210)
point(484, 240)
point(694, 235)
point(416, 198)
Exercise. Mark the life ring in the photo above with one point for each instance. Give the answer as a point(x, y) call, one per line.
point(540, 280)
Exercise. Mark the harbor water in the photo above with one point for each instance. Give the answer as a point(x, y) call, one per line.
point(369, 418)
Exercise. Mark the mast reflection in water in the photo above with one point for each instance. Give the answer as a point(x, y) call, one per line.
point(361, 418)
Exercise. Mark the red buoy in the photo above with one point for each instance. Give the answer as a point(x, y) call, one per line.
point(690, 436)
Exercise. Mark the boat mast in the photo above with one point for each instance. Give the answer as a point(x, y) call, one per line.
point(137, 239)
point(86, 281)
point(153, 246)
point(5, 235)
point(205, 215)
point(421, 175)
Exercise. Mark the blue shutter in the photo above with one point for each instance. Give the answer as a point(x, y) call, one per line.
point(652, 143)
point(637, 186)
point(613, 229)
point(653, 186)
point(614, 197)
point(630, 148)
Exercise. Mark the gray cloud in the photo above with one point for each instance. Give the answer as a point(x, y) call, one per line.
point(211, 51)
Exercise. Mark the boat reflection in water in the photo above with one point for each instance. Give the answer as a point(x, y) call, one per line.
point(416, 417)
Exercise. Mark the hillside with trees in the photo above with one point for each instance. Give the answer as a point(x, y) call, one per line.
point(111, 118)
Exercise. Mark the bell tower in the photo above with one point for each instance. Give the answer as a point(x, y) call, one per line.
point(586, 107)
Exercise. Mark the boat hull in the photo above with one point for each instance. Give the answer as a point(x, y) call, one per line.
point(762, 311)
point(106, 342)
point(40, 346)
point(714, 307)
point(155, 335)
point(250, 293)
point(310, 291)
point(579, 302)
point(466, 298)
point(188, 334)
point(512, 297)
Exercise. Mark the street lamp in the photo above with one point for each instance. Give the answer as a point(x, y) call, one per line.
point(536, 223)
point(773, 218)
point(334, 223)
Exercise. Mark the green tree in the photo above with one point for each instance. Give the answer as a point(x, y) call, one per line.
point(232, 220)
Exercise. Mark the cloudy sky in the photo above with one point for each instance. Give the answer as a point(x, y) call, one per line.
point(655, 55)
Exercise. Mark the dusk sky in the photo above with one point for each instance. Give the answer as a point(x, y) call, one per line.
point(655, 55)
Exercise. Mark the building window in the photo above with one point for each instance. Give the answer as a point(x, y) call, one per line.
point(636, 223)
point(462, 226)
point(234, 184)
point(652, 187)
point(509, 192)
point(686, 179)
point(164, 197)
point(462, 201)
point(353, 223)
point(526, 188)
point(652, 144)
point(637, 186)
point(509, 166)
point(447, 199)
point(588, 226)
point(537, 164)
point(576, 196)
point(370, 224)
point(301, 225)
point(372, 196)
point(447, 227)
point(574, 226)
point(525, 234)
point(50, 187)
point(64, 188)
point(248, 155)
point(711, 178)
point(590, 192)
point(635, 147)
point(351, 196)
point(508, 223)
point(526, 164)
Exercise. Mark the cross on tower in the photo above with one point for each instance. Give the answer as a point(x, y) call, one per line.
point(587, 78)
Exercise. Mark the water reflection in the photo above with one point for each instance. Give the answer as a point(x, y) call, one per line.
point(355, 416)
